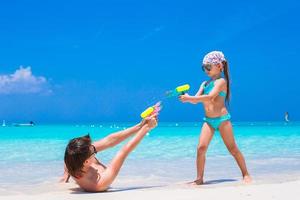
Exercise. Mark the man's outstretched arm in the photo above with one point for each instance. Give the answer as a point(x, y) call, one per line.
point(114, 167)
point(116, 138)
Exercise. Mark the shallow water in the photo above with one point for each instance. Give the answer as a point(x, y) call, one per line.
point(34, 155)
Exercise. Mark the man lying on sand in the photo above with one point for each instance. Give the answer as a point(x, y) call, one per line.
point(90, 174)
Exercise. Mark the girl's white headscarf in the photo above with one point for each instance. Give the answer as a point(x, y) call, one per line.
point(214, 57)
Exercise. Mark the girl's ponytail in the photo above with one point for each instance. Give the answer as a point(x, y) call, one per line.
point(226, 74)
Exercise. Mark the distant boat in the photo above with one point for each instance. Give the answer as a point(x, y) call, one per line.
point(30, 124)
point(3, 123)
point(286, 117)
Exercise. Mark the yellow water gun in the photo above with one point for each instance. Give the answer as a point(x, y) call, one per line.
point(180, 90)
point(151, 110)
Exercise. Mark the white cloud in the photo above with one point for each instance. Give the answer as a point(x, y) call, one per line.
point(22, 81)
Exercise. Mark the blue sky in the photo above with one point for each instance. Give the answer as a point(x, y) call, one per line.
point(99, 61)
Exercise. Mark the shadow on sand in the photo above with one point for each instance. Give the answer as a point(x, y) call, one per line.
point(214, 182)
point(111, 190)
point(218, 181)
point(78, 190)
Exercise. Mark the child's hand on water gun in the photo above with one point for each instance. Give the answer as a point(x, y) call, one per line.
point(185, 98)
point(180, 90)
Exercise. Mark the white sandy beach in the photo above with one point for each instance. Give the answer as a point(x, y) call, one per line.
point(265, 191)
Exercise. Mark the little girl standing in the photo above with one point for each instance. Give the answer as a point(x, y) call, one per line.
point(213, 94)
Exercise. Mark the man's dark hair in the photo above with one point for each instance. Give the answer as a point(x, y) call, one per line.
point(77, 151)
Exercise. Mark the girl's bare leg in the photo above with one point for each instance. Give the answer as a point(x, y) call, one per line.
point(204, 140)
point(226, 132)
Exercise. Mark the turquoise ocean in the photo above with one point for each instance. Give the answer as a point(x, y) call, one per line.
point(34, 155)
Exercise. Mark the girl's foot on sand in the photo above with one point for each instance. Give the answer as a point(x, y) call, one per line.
point(197, 182)
point(247, 179)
